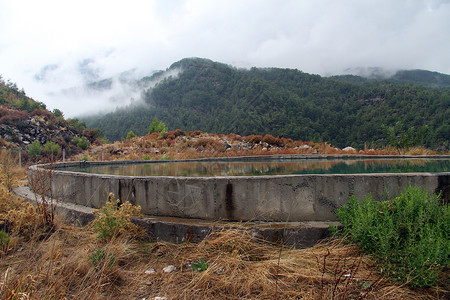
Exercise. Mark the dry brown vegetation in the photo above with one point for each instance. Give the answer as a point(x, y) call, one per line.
point(62, 266)
point(178, 144)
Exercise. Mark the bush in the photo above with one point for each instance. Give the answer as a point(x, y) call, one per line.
point(115, 219)
point(130, 135)
point(253, 139)
point(409, 235)
point(194, 133)
point(51, 148)
point(100, 259)
point(83, 144)
point(35, 149)
point(157, 126)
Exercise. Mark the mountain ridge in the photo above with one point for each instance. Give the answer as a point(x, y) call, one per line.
point(215, 97)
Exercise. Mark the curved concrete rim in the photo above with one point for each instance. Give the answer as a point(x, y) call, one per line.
point(275, 198)
point(177, 230)
point(189, 208)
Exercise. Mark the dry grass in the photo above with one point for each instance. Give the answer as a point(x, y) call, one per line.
point(62, 266)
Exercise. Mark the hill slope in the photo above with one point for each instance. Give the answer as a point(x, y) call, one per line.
point(215, 97)
point(24, 121)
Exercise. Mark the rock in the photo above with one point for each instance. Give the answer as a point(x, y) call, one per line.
point(349, 149)
point(305, 147)
point(169, 269)
point(151, 271)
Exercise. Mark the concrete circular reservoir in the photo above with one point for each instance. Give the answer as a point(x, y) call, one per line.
point(294, 188)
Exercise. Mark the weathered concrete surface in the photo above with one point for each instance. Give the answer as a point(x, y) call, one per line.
point(295, 198)
point(175, 230)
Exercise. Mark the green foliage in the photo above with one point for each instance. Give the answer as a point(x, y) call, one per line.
point(82, 143)
point(100, 258)
point(157, 126)
point(77, 125)
point(408, 235)
point(58, 113)
point(200, 266)
point(35, 149)
point(4, 241)
point(146, 157)
point(114, 219)
point(51, 148)
point(130, 135)
point(404, 138)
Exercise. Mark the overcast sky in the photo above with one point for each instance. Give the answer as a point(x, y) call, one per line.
point(51, 47)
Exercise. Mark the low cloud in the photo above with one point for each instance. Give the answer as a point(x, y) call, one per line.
point(55, 49)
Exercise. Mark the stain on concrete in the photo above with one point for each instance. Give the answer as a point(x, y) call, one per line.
point(229, 205)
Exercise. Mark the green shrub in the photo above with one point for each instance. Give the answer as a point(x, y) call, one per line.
point(130, 135)
point(51, 148)
point(114, 219)
point(83, 144)
point(408, 235)
point(35, 149)
point(157, 126)
point(100, 258)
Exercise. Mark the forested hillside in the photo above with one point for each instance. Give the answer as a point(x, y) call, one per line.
point(342, 110)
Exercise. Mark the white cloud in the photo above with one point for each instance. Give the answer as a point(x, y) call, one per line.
point(66, 43)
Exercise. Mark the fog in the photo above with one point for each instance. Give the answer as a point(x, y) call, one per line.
point(55, 49)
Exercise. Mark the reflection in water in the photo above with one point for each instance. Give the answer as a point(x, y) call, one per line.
point(299, 166)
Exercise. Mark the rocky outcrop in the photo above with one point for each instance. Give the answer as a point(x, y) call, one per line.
point(22, 133)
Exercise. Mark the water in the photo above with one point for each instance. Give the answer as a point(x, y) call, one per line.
point(270, 167)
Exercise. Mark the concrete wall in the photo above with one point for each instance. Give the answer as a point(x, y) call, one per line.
point(266, 198)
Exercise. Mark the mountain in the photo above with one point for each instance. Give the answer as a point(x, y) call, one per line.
point(417, 77)
point(422, 77)
point(343, 110)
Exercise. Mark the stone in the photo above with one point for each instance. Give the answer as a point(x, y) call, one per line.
point(150, 271)
point(349, 149)
point(169, 269)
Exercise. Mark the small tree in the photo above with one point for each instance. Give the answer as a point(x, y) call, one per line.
point(51, 148)
point(401, 137)
point(157, 126)
point(130, 135)
point(35, 149)
point(83, 144)
point(58, 113)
